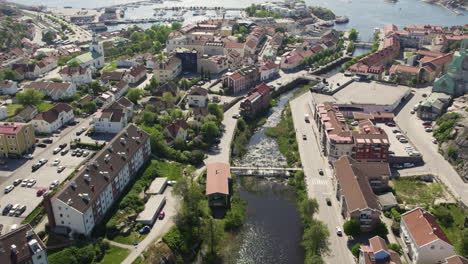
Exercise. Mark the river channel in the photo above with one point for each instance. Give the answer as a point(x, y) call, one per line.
point(273, 230)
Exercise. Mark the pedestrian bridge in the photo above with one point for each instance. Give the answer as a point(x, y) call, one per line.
point(264, 171)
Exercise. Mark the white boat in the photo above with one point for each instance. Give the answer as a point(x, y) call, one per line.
point(196, 12)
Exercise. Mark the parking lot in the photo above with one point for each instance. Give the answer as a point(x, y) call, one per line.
point(44, 176)
point(396, 146)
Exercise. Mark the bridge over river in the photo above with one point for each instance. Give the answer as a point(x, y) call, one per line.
point(264, 171)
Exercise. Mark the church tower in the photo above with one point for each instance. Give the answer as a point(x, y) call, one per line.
point(96, 46)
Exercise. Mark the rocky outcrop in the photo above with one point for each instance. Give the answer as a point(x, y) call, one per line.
point(455, 149)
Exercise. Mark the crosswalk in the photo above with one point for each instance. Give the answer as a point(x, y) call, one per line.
point(318, 181)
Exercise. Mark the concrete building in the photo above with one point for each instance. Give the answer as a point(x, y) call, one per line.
point(355, 194)
point(76, 75)
point(197, 97)
point(425, 240)
point(22, 246)
point(51, 120)
point(167, 69)
point(157, 186)
point(85, 199)
point(433, 106)
point(213, 65)
point(268, 71)
point(136, 74)
point(218, 187)
point(8, 87)
point(370, 142)
point(189, 59)
point(16, 139)
point(257, 100)
point(242, 79)
point(377, 253)
point(152, 209)
point(114, 117)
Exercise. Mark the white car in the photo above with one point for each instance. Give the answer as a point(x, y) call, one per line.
point(31, 183)
point(56, 162)
point(9, 188)
point(338, 231)
point(60, 169)
point(28, 156)
point(171, 183)
point(24, 183)
point(43, 161)
point(54, 183)
point(414, 154)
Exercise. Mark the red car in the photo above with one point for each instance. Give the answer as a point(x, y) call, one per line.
point(390, 124)
point(41, 191)
point(161, 215)
point(427, 126)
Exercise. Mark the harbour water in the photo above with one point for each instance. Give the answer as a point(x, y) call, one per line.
point(364, 15)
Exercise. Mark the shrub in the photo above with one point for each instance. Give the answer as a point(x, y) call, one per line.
point(396, 228)
point(396, 248)
point(381, 230)
point(352, 227)
point(355, 250)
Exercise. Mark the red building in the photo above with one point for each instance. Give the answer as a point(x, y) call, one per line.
point(370, 143)
point(258, 99)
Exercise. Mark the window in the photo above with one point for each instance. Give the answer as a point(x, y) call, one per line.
point(61, 215)
point(60, 208)
point(432, 247)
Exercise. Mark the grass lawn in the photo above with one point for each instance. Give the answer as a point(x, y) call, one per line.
point(454, 231)
point(12, 108)
point(44, 106)
point(110, 67)
point(134, 236)
point(303, 89)
point(138, 260)
point(114, 255)
point(171, 170)
point(417, 192)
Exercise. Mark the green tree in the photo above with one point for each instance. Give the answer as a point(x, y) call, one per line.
point(352, 227)
point(216, 110)
point(315, 238)
point(8, 75)
point(462, 246)
point(149, 118)
point(153, 85)
point(210, 130)
point(90, 107)
point(73, 63)
point(29, 97)
point(356, 249)
point(381, 230)
point(134, 94)
point(353, 34)
point(396, 248)
point(176, 26)
point(48, 37)
point(308, 208)
point(168, 97)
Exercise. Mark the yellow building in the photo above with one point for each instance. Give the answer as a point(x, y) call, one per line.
point(15, 139)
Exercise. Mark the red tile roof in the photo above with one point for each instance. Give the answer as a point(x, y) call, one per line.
point(10, 128)
point(404, 68)
point(233, 45)
point(217, 178)
point(456, 260)
point(423, 227)
point(174, 127)
point(429, 53)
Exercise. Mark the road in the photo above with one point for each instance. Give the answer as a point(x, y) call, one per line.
point(434, 162)
point(319, 187)
point(21, 169)
point(159, 228)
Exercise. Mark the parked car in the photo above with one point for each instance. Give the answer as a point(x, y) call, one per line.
point(64, 152)
point(434, 141)
point(338, 231)
point(170, 183)
point(28, 156)
point(428, 129)
point(41, 191)
point(56, 150)
point(236, 116)
point(412, 112)
point(79, 153)
point(74, 152)
point(427, 123)
point(79, 132)
point(24, 183)
point(62, 146)
point(390, 124)
point(17, 182)
point(86, 154)
point(13, 209)
point(48, 141)
point(408, 165)
point(41, 145)
point(320, 171)
point(43, 161)
point(304, 137)
point(7, 209)
point(31, 183)
point(161, 215)
point(144, 230)
point(60, 169)
point(56, 162)
point(9, 188)
point(328, 201)
point(35, 166)
point(395, 131)
point(398, 166)
point(19, 211)
point(354, 123)
point(414, 154)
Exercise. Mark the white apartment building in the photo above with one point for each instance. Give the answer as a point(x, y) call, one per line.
point(425, 240)
point(197, 97)
point(49, 121)
point(84, 201)
point(76, 75)
point(114, 117)
point(168, 69)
